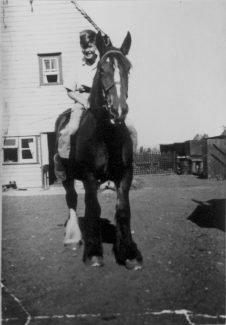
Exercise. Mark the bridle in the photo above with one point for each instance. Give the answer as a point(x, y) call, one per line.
point(107, 105)
point(102, 59)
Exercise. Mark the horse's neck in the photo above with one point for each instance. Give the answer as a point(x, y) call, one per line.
point(97, 102)
point(100, 114)
point(97, 108)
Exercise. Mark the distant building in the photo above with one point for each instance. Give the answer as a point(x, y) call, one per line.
point(189, 154)
point(206, 157)
point(215, 157)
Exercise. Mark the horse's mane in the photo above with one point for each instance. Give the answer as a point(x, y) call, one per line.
point(96, 98)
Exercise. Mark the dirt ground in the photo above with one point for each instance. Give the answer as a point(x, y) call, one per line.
point(179, 226)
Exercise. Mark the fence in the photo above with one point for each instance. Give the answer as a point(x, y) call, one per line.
point(154, 163)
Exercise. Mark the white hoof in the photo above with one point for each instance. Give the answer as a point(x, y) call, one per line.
point(73, 234)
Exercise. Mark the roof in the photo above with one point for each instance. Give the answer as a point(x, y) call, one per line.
point(222, 136)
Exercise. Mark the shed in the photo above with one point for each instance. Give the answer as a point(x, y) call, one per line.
point(189, 155)
point(215, 157)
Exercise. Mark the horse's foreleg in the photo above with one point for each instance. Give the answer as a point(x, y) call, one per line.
point(72, 231)
point(125, 249)
point(93, 252)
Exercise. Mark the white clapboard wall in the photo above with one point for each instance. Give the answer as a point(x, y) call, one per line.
point(29, 108)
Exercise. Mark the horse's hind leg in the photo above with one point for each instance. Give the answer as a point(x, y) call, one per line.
point(125, 249)
point(72, 230)
point(93, 252)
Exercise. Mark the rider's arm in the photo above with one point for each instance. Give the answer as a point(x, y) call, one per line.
point(77, 97)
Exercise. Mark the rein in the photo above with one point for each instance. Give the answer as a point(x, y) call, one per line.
point(87, 17)
point(106, 54)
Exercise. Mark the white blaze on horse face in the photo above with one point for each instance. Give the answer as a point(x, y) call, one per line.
point(72, 231)
point(117, 80)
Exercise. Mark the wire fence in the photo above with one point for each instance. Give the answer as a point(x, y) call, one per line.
point(154, 163)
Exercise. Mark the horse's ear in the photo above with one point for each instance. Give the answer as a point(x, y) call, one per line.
point(103, 42)
point(126, 44)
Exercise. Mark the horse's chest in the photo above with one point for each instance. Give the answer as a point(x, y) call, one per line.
point(102, 158)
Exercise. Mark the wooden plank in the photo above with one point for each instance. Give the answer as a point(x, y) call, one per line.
point(216, 159)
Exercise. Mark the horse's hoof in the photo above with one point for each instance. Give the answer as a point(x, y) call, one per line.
point(133, 265)
point(95, 261)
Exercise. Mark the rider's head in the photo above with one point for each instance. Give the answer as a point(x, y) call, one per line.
point(88, 45)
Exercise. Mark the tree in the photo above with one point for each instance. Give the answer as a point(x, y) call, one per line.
point(199, 137)
point(224, 130)
point(141, 149)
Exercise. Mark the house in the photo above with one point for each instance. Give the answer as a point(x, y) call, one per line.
point(40, 47)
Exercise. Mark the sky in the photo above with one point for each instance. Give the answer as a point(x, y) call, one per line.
point(178, 81)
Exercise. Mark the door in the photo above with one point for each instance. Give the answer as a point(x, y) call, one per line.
point(52, 150)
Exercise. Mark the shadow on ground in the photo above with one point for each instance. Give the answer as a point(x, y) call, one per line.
point(209, 214)
point(108, 230)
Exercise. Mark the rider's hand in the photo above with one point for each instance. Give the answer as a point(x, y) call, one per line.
point(85, 103)
point(86, 106)
point(81, 89)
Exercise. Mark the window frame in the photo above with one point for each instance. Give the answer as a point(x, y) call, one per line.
point(43, 72)
point(20, 149)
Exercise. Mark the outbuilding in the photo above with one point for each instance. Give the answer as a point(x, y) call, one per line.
point(215, 157)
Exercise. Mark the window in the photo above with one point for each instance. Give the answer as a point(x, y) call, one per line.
point(50, 66)
point(19, 150)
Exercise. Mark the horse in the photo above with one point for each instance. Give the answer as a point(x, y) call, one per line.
point(102, 150)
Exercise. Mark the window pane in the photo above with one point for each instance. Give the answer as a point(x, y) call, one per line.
point(26, 154)
point(25, 143)
point(10, 155)
point(52, 78)
point(9, 142)
point(47, 64)
point(54, 64)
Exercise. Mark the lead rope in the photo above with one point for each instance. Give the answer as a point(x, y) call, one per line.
point(87, 17)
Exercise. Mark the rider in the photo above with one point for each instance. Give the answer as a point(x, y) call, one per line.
point(79, 90)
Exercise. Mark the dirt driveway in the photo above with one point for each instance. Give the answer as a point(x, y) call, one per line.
point(178, 225)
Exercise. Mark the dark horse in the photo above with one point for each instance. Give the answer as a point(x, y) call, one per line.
point(102, 150)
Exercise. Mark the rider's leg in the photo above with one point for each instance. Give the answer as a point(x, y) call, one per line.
point(58, 168)
point(71, 128)
point(64, 140)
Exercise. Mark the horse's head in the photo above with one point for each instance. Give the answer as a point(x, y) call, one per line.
point(113, 70)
